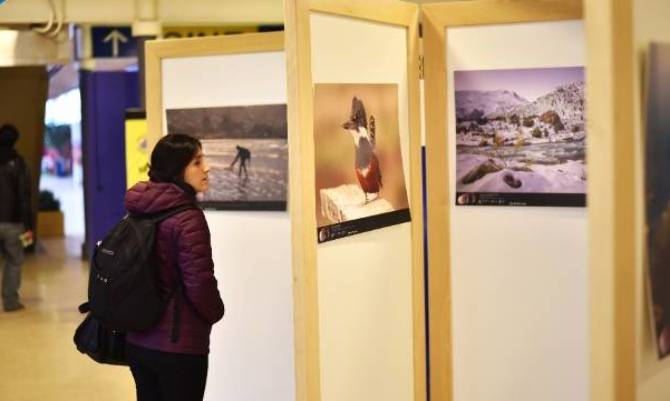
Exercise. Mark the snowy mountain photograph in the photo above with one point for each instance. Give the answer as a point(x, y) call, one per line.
point(520, 137)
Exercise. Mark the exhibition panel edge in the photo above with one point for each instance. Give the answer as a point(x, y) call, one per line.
point(303, 206)
point(612, 195)
point(437, 18)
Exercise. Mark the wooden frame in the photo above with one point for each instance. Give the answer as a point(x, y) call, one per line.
point(437, 18)
point(302, 181)
point(612, 200)
point(158, 50)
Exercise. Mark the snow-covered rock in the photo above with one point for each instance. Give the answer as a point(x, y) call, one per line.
point(568, 177)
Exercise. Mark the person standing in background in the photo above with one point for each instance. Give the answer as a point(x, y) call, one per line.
point(16, 216)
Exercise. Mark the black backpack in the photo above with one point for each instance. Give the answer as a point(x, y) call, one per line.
point(123, 286)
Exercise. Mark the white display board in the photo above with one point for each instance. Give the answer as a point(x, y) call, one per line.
point(365, 281)
point(251, 356)
point(519, 274)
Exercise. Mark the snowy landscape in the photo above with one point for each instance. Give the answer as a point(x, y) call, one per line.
point(521, 131)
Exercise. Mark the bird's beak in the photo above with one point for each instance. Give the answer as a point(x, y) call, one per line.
point(346, 125)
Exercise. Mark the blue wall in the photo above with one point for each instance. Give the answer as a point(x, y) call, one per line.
point(105, 97)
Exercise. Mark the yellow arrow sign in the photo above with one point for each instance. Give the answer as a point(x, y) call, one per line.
point(115, 37)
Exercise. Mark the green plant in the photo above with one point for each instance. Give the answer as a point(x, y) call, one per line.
point(498, 143)
point(514, 119)
point(57, 136)
point(520, 141)
point(47, 201)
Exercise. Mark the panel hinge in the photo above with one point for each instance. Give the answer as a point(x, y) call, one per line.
point(421, 68)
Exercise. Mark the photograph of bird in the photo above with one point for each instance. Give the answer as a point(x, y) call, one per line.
point(368, 170)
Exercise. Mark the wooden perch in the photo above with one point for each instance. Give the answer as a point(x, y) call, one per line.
point(347, 202)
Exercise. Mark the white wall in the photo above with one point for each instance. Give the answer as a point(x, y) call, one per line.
point(365, 281)
point(519, 274)
point(251, 355)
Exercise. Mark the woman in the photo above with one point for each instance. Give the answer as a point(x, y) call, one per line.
point(165, 369)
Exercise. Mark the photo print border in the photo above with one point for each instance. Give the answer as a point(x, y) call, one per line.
point(520, 137)
point(360, 181)
point(252, 139)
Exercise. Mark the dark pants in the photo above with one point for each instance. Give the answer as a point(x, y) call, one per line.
point(11, 250)
point(167, 376)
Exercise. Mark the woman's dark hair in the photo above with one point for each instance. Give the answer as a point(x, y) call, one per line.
point(171, 156)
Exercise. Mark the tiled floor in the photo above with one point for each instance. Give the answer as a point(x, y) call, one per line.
point(38, 360)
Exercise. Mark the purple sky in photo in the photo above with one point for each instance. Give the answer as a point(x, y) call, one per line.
point(528, 83)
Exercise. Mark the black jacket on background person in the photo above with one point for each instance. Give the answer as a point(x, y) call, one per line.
point(15, 202)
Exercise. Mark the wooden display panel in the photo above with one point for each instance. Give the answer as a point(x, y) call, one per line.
point(309, 368)
point(613, 192)
point(159, 50)
point(437, 18)
point(251, 249)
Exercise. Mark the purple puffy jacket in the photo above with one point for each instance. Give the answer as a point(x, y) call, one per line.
point(182, 241)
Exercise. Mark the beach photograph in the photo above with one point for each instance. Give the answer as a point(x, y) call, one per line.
point(247, 151)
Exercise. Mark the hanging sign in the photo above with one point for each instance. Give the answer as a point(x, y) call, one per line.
point(113, 42)
point(137, 152)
